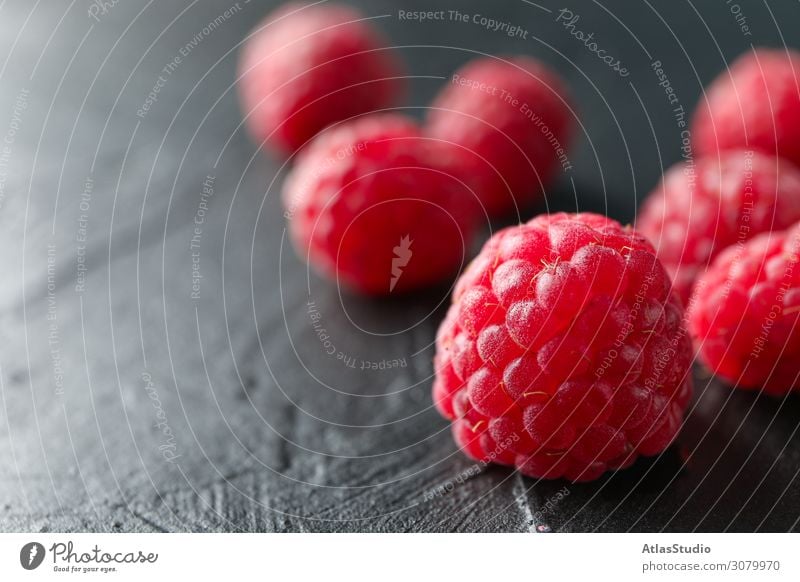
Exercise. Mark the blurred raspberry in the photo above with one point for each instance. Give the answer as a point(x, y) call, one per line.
point(373, 204)
point(697, 211)
point(563, 353)
point(514, 118)
point(744, 315)
point(755, 105)
point(306, 67)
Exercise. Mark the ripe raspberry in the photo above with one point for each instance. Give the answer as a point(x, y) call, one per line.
point(307, 67)
point(563, 353)
point(372, 202)
point(697, 212)
point(756, 105)
point(744, 315)
point(514, 118)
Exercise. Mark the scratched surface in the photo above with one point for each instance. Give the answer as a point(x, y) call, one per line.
point(128, 404)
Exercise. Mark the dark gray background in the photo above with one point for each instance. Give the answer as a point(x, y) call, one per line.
point(273, 434)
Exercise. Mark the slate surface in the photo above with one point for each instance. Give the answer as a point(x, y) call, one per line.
point(103, 379)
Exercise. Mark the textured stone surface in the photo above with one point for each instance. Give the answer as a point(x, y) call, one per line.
point(273, 433)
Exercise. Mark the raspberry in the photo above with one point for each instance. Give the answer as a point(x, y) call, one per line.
point(373, 203)
point(697, 211)
point(307, 67)
point(744, 315)
point(756, 105)
point(514, 119)
point(563, 353)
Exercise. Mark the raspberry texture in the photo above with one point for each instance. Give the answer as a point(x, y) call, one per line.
point(564, 353)
point(374, 204)
point(697, 211)
point(514, 119)
point(744, 316)
point(307, 67)
point(756, 105)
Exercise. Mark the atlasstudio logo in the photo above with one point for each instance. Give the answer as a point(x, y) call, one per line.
point(31, 555)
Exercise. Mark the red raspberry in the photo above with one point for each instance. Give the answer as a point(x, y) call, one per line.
point(744, 315)
point(563, 353)
point(756, 105)
point(697, 211)
point(307, 67)
point(515, 119)
point(373, 203)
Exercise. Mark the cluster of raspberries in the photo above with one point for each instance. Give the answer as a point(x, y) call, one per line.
point(565, 352)
point(725, 226)
point(378, 202)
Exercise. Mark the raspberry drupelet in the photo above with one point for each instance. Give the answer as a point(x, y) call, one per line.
point(564, 352)
point(745, 315)
point(308, 66)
